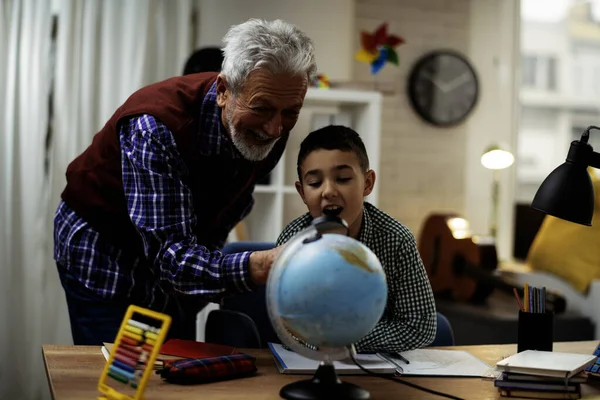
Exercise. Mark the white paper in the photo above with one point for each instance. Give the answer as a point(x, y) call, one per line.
point(426, 362)
point(433, 362)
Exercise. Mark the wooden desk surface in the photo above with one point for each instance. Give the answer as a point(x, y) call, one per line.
point(73, 373)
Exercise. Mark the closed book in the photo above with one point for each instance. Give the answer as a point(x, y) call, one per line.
point(539, 386)
point(512, 376)
point(531, 394)
point(193, 349)
point(546, 363)
point(176, 349)
point(158, 363)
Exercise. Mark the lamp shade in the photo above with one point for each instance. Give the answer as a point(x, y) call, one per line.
point(497, 157)
point(567, 193)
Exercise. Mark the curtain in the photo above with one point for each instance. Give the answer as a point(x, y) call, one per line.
point(25, 29)
point(104, 50)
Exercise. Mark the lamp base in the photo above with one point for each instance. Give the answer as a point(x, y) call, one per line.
point(324, 385)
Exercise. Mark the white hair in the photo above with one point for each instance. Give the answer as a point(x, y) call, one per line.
point(276, 46)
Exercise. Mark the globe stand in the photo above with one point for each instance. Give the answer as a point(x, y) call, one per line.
point(324, 385)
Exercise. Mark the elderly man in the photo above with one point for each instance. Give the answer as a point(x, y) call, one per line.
point(151, 201)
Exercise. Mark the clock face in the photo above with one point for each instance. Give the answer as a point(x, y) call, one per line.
point(443, 88)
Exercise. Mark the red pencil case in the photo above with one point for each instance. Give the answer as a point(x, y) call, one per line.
point(204, 370)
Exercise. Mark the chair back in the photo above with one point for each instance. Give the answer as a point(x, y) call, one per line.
point(444, 335)
point(239, 247)
point(253, 304)
point(231, 328)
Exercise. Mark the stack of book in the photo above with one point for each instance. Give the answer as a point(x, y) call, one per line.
point(543, 375)
point(511, 384)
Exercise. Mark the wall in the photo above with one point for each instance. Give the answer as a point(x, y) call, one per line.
point(315, 17)
point(425, 168)
point(422, 167)
point(494, 48)
point(543, 142)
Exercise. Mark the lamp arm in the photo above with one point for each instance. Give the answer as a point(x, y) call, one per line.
point(586, 134)
point(594, 158)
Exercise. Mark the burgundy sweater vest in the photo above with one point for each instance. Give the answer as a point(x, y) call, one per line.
point(94, 187)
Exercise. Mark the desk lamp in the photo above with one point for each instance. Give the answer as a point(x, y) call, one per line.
point(496, 157)
point(567, 193)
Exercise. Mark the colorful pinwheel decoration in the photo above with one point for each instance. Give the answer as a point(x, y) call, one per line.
point(321, 81)
point(378, 48)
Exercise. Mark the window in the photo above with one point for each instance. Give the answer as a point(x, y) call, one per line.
point(577, 79)
point(529, 71)
point(539, 72)
point(596, 84)
point(551, 73)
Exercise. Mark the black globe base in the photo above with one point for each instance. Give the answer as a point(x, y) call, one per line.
point(324, 385)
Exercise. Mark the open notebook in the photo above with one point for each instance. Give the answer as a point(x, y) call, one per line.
point(422, 362)
point(290, 362)
point(546, 363)
point(436, 362)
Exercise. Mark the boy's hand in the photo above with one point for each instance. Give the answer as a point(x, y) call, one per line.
point(261, 262)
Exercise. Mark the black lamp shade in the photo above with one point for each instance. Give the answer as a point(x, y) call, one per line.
point(567, 193)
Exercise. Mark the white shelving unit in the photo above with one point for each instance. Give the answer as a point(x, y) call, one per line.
point(278, 203)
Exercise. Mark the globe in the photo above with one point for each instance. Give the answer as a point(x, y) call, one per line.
point(325, 292)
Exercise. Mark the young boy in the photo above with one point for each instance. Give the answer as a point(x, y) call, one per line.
point(334, 174)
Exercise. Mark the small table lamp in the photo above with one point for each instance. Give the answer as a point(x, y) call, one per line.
point(496, 158)
point(567, 193)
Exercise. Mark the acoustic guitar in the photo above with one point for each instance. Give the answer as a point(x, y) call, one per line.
point(461, 265)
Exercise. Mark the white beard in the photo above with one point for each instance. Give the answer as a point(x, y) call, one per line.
point(250, 151)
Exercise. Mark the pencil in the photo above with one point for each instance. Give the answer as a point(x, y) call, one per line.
point(400, 356)
point(531, 297)
point(544, 299)
point(518, 299)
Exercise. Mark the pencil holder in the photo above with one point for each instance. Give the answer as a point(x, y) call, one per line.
point(536, 331)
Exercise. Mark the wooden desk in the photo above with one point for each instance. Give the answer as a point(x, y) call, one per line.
point(73, 373)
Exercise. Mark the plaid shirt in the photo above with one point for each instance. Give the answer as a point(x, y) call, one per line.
point(409, 320)
point(160, 206)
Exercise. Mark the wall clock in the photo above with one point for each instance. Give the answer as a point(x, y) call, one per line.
point(443, 87)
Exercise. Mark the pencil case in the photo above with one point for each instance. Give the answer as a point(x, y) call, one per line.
point(203, 370)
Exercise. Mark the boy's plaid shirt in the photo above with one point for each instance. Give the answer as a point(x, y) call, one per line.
point(409, 320)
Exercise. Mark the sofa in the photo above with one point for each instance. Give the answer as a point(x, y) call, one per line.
point(585, 304)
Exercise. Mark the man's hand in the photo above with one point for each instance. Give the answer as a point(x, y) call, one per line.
point(261, 262)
